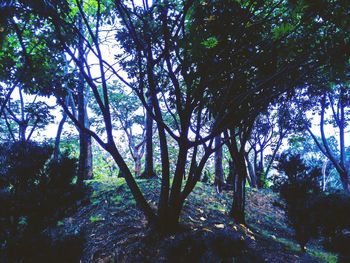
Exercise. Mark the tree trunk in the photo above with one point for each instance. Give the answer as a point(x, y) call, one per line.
point(85, 154)
point(344, 178)
point(253, 178)
point(238, 205)
point(230, 180)
point(149, 167)
point(219, 173)
point(169, 222)
point(88, 163)
point(152, 218)
point(22, 132)
point(58, 136)
point(137, 165)
point(260, 171)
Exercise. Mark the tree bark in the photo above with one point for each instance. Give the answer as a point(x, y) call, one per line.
point(85, 147)
point(149, 166)
point(219, 173)
point(56, 152)
point(237, 211)
point(231, 175)
point(137, 165)
point(252, 175)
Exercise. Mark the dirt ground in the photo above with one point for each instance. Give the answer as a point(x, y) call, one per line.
point(116, 231)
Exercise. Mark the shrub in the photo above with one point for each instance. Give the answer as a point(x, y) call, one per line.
point(38, 247)
point(35, 192)
point(300, 196)
point(207, 246)
point(315, 214)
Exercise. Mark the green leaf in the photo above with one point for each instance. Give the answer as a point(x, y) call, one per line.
point(210, 42)
point(281, 30)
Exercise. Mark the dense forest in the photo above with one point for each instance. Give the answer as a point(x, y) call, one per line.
point(174, 131)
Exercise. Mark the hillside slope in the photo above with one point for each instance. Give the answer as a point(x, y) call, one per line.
point(116, 231)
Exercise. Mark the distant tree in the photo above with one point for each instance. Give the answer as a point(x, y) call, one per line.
point(269, 130)
point(23, 118)
point(335, 101)
point(312, 156)
point(219, 172)
point(128, 116)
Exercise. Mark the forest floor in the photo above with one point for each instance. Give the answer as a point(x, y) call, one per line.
point(116, 231)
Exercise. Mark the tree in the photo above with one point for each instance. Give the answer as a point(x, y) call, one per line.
point(30, 63)
point(236, 140)
point(336, 100)
point(179, 55)
point(269, 130)
point(304, 145)
point(85, 155)
point(129, 117)
point(22, 118)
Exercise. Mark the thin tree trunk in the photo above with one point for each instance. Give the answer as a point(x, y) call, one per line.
point(260, 172)
point(274, 153)
point(88, 169)
point(324, 169)
point(85, 155)
point(231, 175)
point(149, 166)
point(219, 173)
point(135, 190)
point(58, 136)
point(253, 182)
point(344, 178)
point(137, 165)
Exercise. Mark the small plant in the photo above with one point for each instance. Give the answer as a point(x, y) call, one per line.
point(96, 218)
point(60, 223)
point(210, 42)
point(217, 207)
